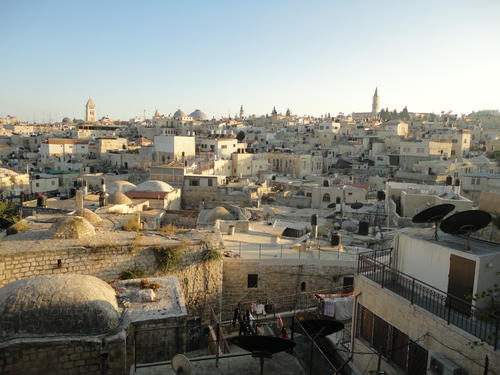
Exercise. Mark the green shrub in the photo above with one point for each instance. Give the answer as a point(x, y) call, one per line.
point(210, 254)
point(169, 258)
point(133, 273)
point(20, 226)
point(131, 225)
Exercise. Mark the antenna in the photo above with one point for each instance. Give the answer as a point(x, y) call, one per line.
point(433, 215)
point(181, 365)
point(263, 346)
point(465, 223)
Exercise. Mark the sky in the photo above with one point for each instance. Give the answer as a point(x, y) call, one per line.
point(314, 57)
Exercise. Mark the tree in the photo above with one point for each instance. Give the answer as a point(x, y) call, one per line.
point(404, 114)
point(240, 136)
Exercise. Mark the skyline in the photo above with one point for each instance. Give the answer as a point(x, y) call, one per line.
point(314, 58)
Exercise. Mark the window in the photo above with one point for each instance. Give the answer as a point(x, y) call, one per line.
point(326, 197)
point(53, 182)
point(252, 280)
point(395, 346)
point(223, 146)
point(194, 182)
point(37, 184)
point(303, 286)
point(210, 182)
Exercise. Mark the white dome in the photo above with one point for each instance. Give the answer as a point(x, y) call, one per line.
point(119, 186)
point(154, 185)
point(199, 115)
point(179, 114)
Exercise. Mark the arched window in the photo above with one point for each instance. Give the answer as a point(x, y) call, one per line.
point(303, 286)
point(326, 197)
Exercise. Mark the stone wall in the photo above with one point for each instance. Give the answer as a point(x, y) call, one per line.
point(279, 278)
point(157, 340)
point(201, 281)
point(58, 357)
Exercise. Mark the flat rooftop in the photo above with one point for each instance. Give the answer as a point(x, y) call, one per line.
point(280, 364)
point(478, 247)
point(108, 233)
point(168, 299)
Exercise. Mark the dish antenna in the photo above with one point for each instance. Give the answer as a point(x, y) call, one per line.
point(465, 223)
point(356, 205)
point(181, 365)
point(433, 215)
point(263, 346)
point(321, 327)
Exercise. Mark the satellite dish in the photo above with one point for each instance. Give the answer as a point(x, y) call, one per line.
point(263, 346)
point(356, 205)
point(433, 215)
point(465, 223)
point(321, 327)
point(181, 364)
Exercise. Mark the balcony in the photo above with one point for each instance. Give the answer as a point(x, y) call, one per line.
point(482, 324)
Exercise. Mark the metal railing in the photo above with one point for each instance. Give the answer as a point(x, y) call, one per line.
point(455, 311)
point(287, 303)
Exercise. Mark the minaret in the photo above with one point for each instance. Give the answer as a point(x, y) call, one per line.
point(242, 112)
point(274, 112)
point(375, 103)
point(90, 111)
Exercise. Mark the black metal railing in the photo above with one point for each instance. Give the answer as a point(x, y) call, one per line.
point(455, 311)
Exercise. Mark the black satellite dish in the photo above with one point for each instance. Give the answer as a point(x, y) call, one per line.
point(321, 327)
point(263, 346)
point(433, 215)
point(356, 205)
point(331, 205)
point(465, 223)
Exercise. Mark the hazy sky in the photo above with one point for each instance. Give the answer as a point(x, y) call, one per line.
point(312, 56)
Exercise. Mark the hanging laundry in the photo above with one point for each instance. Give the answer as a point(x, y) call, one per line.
point(279, 322)
point(329, 309)
point(343, 307)
point(253, 308)
point(259, 309)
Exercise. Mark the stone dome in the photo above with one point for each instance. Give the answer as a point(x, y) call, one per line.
point(66, 120)
point(199, 115)
point(179, 113)
point(58, 304)
point(120, 185)
point(72, 227)
point(90, 216)
point(154, 185)
point(119, 198)
point(217, 213)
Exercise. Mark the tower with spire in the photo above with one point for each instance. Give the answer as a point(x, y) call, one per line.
point(242, 112)
point(274, 112)
point(375, 103)
point(90, 111)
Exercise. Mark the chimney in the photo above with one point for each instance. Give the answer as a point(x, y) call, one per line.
point(79, 200)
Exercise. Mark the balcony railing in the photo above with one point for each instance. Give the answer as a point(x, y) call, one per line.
point(455, 311)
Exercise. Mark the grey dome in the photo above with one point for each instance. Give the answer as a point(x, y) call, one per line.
point(58, 304)
point(179, 114)
point(119, 198)
point(72, 227)
point(119, 185)
point(154, 185)
point(88, 215)
point(199, 115)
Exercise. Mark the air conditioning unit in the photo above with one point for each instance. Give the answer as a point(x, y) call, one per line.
point(439, 364)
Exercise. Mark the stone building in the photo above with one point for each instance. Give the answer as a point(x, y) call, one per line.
point(62, 324)
point(411, 311)
point(90, 115)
